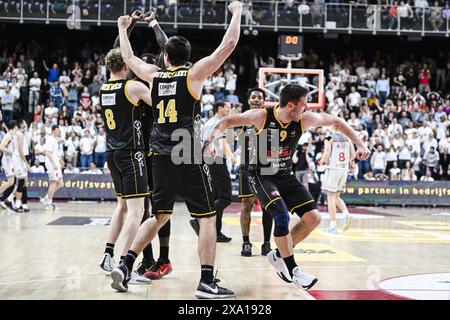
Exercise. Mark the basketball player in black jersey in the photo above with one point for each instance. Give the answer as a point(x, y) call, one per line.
point(121, 110)
point(271, 177)
point(148, 267)
point(176, 109)
point(256, 97)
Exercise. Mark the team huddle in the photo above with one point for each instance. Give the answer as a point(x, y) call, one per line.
point(157, 152)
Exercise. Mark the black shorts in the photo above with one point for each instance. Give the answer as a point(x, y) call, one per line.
point(244, 189)
point(149, 162)
point(192, 182)
point(129, 173)
point(294, 194)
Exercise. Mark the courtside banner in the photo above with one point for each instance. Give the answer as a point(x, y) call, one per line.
point(76, 186)
point(397, 193)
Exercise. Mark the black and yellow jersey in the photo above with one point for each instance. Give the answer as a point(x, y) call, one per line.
point(122, 116)
point(174, 107)
point(275, 146)
point(147, 119)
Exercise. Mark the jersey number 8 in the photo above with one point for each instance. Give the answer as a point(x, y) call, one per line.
point(109, 115)
point(170, 112)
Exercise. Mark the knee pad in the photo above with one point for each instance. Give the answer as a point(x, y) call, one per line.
point(281, 218)
point(20, 185)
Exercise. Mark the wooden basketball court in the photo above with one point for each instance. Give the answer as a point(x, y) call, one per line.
point(390, 253)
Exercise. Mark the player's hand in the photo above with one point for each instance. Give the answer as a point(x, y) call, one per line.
point(149, 16)
point(362, 153)
point(124, 22)
point(235, 7)
point(136, 16)
point(209, 150)
point(233, 160)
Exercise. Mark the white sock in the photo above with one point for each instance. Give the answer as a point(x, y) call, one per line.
point(11, 198)
point(18, 203)
point(25, 206)
point(332, 224)
point(345, 212)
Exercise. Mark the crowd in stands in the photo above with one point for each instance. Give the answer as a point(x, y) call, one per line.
point(399, 107)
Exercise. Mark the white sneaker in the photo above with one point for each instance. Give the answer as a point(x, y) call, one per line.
point(332, 230)
point(50, 206)
point(107, 263)
point(136, 279)
point(279, 265)
point(302, 280)
point(44, 201)
point(348, 220)
point(3, 205)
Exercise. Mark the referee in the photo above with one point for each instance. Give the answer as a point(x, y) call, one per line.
point(220, 175)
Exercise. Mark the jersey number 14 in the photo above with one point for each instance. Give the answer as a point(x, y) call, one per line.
point(169, 112)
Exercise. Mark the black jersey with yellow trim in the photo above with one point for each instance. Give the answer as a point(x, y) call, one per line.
point(122, 116)
point(275, 159)
point(174, 107)
point(147, 118)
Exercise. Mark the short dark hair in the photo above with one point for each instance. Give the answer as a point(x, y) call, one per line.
point(249, 92)
point(178, 50)
point(291, 93)
point(54, 127)
point(11, 124)
point(219, 104)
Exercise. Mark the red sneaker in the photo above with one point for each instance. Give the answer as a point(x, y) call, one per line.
point(159, 270)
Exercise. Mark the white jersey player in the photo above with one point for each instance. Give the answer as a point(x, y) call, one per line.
point(338, 154)
point(7, 147)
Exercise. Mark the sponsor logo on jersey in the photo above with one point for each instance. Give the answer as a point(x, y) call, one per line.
point(167, 89)
point(109, 99)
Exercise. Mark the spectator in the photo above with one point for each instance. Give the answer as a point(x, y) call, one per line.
point(35, 87)
point(93, 169)
point(232, 98)
point(393, 16)
point(427, 177)
point(436, 17)
point(53, 72)
point(378, 160)
point(408, 173)
point(39, 149)
point(207, 102)
point(444, 161)
point(405, 14)
point(353, 100)
point(100, 148)
point(7, 103)
point(56, 94)
point(86, 149)
point(431, 159)
point(383, 88)
point(394, 172)
point(71, 169)
point(37, 168)
point(316, 13)
point(424, 79)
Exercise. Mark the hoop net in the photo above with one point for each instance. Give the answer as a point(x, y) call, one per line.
point(272, 80)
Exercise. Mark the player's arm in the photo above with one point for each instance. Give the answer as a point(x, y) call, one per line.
point(205, 67)
point(135, 17)
point(20, 142)
point(5, 141)
point(352, 152)
point(255, 117)
point(326, 152)
point(137, 91)
point(143, 70)
point(313, 120)
point(160, 35)
point(227, 150)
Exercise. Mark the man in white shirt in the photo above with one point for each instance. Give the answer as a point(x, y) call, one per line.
point(378, 160)
point(354, 100)
point(51, 111)
point(93, 170)
point(86, 150)
point(100, 148)
point(429, 143)
point(395, 128)
point(53, 164)
point(207, 102)
point(35, 87)
point(431, 160)
point(383, 88)
point(37, 168)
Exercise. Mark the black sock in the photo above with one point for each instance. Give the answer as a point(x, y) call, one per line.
point(290, 263)
point(129, 259)
point(246, 239)
point(278, 253)
point(207, 274)
point(121, 259)
point(110, 249)
point(164, 253)
point(267, 225)
point(148, 255)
